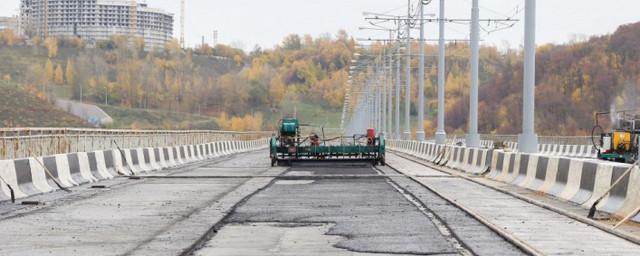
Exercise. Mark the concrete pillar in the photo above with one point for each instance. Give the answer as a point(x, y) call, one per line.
point(383, 88)
point(378, 86)
point(473, 138)
point(420, 125)
point(370, 112)
point(528, 140)
point(397, 102)
point(407, 93)
point(441, 135)
point(390, 93)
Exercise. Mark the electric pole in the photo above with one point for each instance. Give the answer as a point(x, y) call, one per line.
point(420, 125)
point(473, 138)
point(441, 135)
point(528, 141)
point(407, 97)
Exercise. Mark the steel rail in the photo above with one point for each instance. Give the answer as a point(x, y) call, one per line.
point(621, 234)
point(520, 244)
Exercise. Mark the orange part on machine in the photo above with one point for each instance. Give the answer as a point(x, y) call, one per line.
point(371, 133)
point(371, 136)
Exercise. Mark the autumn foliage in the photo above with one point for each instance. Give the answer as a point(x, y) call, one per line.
point(573, 81)
point(220, 81)
point(246, 90)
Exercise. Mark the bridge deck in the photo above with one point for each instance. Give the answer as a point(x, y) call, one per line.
point(239, 205)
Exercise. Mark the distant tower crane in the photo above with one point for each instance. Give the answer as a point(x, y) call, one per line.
point(45, 24)
point(133, 19)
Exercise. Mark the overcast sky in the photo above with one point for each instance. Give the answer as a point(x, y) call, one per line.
point(249, 22)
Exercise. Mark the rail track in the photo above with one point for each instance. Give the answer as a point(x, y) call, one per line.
point(520, 244)
point(524, 245)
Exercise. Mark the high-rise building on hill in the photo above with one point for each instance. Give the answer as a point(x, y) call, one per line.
point(94, 20)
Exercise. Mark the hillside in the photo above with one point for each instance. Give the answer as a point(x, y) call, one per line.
point(19, 108)
point(230, 89)
point(155, 119)
point(573, 81)
point(235, 90)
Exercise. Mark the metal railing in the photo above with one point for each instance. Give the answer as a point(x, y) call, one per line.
point(560, 140)
point(25, 142)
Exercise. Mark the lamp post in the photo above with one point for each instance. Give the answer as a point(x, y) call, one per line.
point(407, 93)
point(441, 135)
point(473, 138)
point(528, 140)
point(420, 125)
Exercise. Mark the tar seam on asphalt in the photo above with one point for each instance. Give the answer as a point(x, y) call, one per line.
point(441, 226)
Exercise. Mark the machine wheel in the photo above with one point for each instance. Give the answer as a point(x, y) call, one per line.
point(382, 162)
point(274, 162)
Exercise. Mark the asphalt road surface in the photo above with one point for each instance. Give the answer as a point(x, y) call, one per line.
point(239, 205)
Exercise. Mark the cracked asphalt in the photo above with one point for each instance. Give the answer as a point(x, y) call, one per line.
point(368, 215)
point(239, 205)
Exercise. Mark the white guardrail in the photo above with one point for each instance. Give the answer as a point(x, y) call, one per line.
point(27, 142)
point(29, 176)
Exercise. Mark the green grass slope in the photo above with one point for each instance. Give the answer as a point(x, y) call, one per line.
point(131, 118)
point(18, 108)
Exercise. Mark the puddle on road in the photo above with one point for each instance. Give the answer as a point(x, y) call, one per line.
point(274, 239)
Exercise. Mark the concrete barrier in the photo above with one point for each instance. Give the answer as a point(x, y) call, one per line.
point(509, 172)
point(161, 158)
point(145, 156)
point(170, 155)
point(223, 148)
point(560, 171)
point(184, 155)
point(27, 176)
point(232, 147)
point(202, 151)
point(497, 164)
point(208, 152)
point(156, 159)
point(580, 181)
point(476, 161)
point(78, 169)
point(235, 147)
point(191, 156)
point(177, 155)
point(456, 157)
point(131, 161)
point(217, 149)
point(8, 174)
point(30, 180)
point(98, 167)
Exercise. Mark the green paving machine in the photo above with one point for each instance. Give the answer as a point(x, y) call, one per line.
point(289, 145)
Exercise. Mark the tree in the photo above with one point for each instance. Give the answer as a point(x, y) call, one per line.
point(49, 70)
point(70, 73)
point(59, 75)
point(276, 91)
point(51, 44)
point(292, 42)
point(8, 37)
